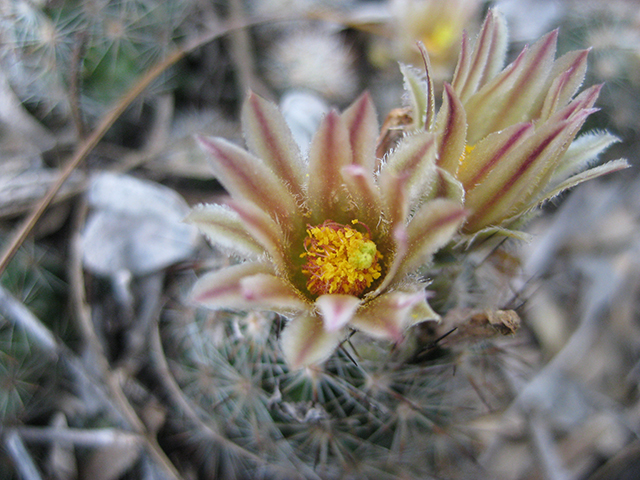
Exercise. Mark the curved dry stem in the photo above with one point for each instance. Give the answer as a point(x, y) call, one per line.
point(88, 144)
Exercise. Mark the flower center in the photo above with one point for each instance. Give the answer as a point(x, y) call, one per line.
point(340, 259)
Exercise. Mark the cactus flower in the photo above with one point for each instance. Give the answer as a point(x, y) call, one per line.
point(506, 134)
point(329, 242)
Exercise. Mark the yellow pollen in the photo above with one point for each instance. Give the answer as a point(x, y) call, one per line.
point(463, 164)
point(340, 259)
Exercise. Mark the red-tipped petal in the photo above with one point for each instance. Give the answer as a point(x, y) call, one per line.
point(493, 109)
point(565, 79)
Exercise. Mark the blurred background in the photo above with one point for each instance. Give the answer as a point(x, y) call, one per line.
point(107, 371)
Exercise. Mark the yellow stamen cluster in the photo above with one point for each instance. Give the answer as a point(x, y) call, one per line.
point(340, 259)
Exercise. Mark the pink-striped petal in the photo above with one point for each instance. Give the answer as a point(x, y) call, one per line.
point(361, 121)
point(584, 101)
point(463, 66)
point(487, 57)
point(306, 342)
point(490, 152)
point(389, 315)
point(272, 293)
point(398, 253)
point(521, 175)
point(329, 152)
point(430, 117)
point(431, 228)
point(265, 231)
point(222, 289)
point(418, 96)
point(492, 109)
point(565, 79)
point(395, 197)
point(414, 159)
point(363, 190)
point(269, 138)
point(336, 310)
point(451, 126)
point(246, 177)
point(224, 228)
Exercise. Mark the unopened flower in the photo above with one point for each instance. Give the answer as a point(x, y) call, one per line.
point(438, 24)
point(330, 242)
point(506, 135)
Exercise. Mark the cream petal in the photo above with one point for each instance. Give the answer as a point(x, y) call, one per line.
point(365, 193)
point(336, 310)
point(361, 121)
point(451, 126)
point(431, 98)
point(521, 174)
point(222, 289)
point(264, 230)
point(430, 229)
point(224, 228)
point(447, 186)
point(389, 315)
point(329, 152)
point(490, 152)
point(268, 137)
point(595, 172)
point(524, 213)
point(272, 293)
point(395, 197)
point(582, 152)
point(306, 342)
point(246, 177)
point(418, 96)
point(414, 160)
